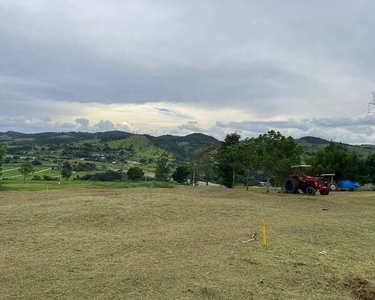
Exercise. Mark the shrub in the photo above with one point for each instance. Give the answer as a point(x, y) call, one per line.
point(37, 178)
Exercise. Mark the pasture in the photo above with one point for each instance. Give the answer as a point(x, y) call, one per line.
point(185, 243)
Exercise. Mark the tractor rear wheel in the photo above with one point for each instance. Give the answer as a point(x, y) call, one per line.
point(332, 186)
point(291, 186)
point(326, 192)
point(310, 191)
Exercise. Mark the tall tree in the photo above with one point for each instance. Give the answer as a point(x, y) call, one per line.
point(26, 169)
point(228, 159)
point(247, 152)
point(66, 173)
point(193, 170)
point(275, 154)
point(205, 158)
point(162, 168)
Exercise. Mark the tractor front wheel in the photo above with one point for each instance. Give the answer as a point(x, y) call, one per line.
point(310, 191)
point(291, 186)
point(326, 192)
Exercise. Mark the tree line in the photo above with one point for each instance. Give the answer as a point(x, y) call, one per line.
point(267, 158)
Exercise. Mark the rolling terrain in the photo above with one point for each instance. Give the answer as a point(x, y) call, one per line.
point(185, 243)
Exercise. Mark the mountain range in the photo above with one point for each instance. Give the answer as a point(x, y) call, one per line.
point(142, 144)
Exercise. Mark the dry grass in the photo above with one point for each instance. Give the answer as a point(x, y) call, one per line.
point(184, 243)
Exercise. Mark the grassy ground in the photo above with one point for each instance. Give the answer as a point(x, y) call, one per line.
point(11, 171)
point(185, 243)
point(75, 185)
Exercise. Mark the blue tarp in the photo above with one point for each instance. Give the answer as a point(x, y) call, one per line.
point(347, 184)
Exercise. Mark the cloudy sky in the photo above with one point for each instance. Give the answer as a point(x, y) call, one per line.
point(177, 67)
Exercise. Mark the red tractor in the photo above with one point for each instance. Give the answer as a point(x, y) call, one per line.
point(307, 184)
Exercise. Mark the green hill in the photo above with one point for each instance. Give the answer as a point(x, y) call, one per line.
point(313, 143)
point(112, 144)
point(129, 145)
point(183, 147)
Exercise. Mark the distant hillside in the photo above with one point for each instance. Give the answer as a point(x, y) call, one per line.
point(183, 146)
point(83, 143)
point(314, 143)
point(47, 138)
point(141, 146)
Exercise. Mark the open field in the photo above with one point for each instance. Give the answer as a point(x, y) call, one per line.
point(185, 243)
point(46, 186)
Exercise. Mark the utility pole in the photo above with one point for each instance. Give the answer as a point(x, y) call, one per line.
point(371, 103)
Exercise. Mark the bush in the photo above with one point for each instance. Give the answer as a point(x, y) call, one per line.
point(109, 176)
point(37, 178)
point(48, 178)
point(105, 176)
point(81, 167)
point(85, 177)
point(135, 173)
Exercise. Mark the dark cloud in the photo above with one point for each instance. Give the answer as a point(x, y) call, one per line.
point(274, 60)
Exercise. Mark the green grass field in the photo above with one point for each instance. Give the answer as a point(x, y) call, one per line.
point(185, 243)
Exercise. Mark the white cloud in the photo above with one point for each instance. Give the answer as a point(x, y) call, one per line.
point(167, 66)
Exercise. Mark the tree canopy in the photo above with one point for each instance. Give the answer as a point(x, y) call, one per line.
point(228, 161)
point(335, 158)
point(205, 158)
point(162, 168)
point(26, 169)
point(66, 173)
point(135, 173)
point(271, 153)
point(181, 174)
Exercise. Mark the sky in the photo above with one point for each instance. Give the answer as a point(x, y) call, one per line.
point(178, 67)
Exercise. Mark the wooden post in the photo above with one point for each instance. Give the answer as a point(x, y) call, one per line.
point(264, 234)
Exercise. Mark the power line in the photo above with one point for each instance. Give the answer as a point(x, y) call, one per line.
point(330, 126)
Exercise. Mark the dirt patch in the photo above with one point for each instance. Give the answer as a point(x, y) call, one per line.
point(360, 287)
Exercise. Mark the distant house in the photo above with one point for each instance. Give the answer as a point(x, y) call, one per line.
point(124, 150)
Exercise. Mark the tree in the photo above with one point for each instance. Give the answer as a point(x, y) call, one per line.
point(162, 168)
point(66, 173)
point(36, 162)
point(370, 166)
point(26, 169)
point(247, 152)
point(275, 154)
point(181, 174)
point(108, 175)
point(205, 158)
point(135, 173)
point(228, 160)
point(335, 158)
point(67, 165)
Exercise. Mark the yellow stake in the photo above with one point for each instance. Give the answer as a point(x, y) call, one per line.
point(264, 235)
